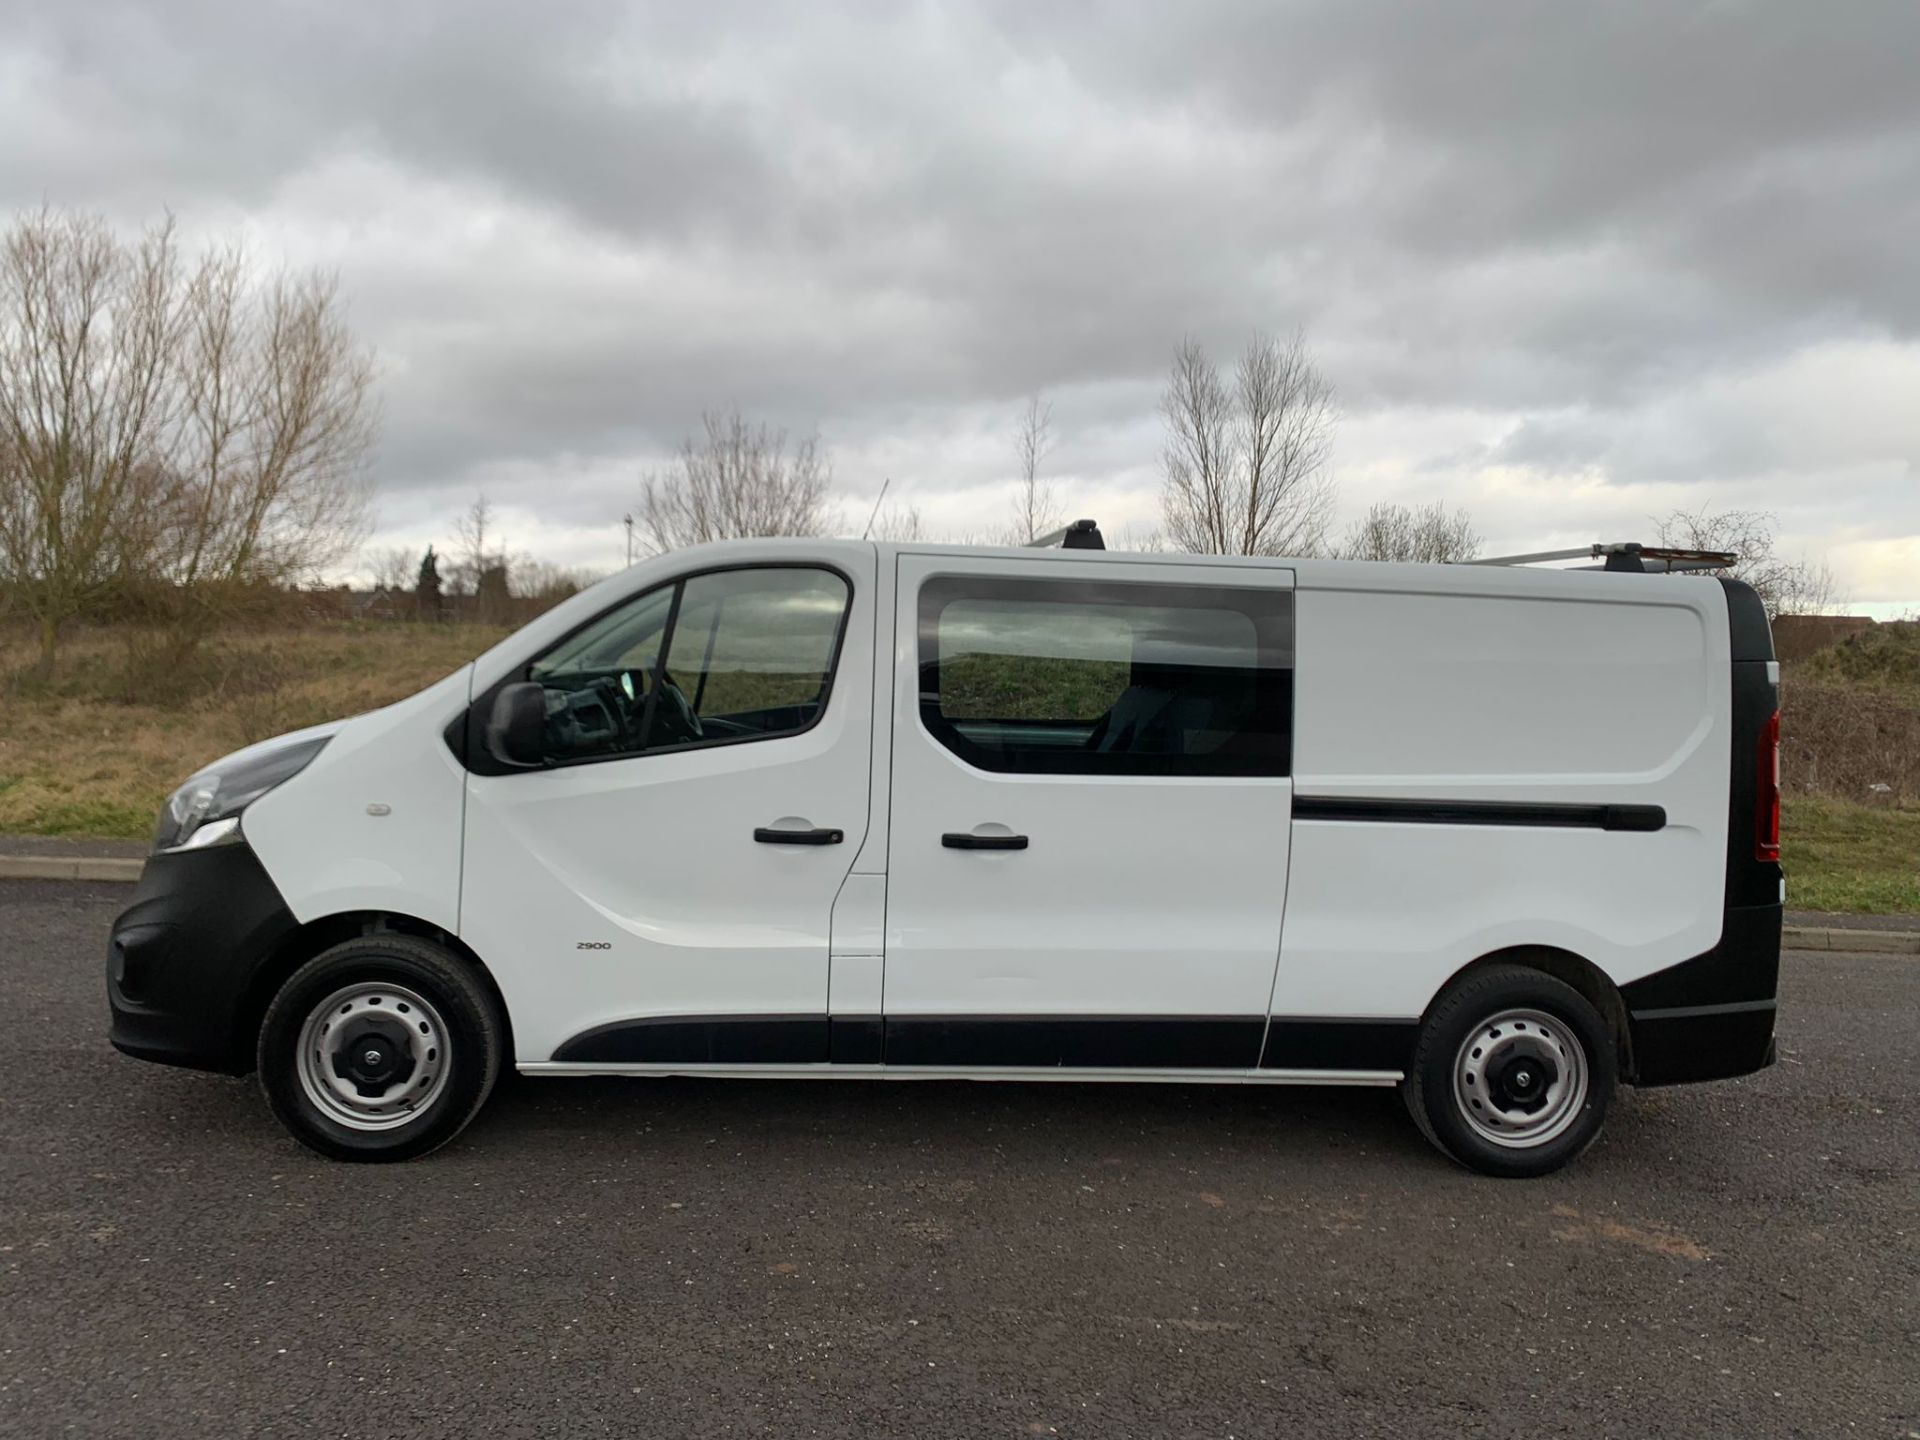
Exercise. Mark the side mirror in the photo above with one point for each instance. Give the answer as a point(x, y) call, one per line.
point(517, 726)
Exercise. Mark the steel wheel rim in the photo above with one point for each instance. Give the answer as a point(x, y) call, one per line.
point(1520, 1079)
point(338, 1043)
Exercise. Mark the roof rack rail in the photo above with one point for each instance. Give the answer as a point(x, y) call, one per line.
point(1080, 535)
point(1629, 556)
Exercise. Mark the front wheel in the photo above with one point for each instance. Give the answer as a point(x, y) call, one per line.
point(382, 1048)
point(1513, 1072)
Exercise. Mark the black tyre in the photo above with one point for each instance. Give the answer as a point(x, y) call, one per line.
point(1513, 1072)
point(382, 1048)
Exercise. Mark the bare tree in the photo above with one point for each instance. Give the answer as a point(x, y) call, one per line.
point(182, 431)
point(1036, 509)
point(897, 522)
point(1246, 463)
point(276, 420)
point(1429, 535)
point(88, 326)
point(482, 570)
point(737, 481)
point(546, 582)
point(1785, 587)
point(393, 568)
point(473, 535)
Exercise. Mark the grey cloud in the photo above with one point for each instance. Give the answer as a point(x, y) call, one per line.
point(842, 215)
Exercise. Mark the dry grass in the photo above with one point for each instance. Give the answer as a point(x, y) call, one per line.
point(95, 748)
point(1852, 742)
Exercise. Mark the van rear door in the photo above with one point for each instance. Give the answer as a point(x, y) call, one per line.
point(1089, 812)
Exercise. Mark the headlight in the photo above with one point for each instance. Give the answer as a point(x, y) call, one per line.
point(206, 810)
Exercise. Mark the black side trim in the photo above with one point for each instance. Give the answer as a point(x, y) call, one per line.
point(1478, 812)
point(1318, 1043)
point(857, 1039)
point(702, 1040)
point(1026, 1042)
point(1120, 1042)
point(1696, 1012)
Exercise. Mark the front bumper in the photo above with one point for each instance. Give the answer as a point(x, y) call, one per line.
point(183, 958)
point(1711, 1017)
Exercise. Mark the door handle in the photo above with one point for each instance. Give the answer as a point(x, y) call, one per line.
point(817, 836)
point(964, 840)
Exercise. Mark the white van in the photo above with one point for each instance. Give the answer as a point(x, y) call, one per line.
point(1502, 837)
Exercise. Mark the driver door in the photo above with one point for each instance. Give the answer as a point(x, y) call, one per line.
point(659, 894)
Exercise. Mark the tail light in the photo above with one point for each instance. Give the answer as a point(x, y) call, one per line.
point(1766, 794)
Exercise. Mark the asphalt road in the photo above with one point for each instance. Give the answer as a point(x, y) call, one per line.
point(713, 1258)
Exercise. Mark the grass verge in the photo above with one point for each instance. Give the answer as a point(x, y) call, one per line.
point(95, 748)
point(1859, 858)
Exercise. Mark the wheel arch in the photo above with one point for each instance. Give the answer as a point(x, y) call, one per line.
point(317, 936)
point(1592, 983)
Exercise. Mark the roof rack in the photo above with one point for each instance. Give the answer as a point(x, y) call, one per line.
point(1080, 535)
point(1626, 555)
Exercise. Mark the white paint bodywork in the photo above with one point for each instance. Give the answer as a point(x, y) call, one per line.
point(1099, 916)
point(1466, 682)
point(654, 858)
point(1139, 895)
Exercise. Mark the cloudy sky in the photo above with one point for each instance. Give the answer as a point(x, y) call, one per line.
point(1567, 265)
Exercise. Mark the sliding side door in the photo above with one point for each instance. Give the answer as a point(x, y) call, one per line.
point(1090, 805)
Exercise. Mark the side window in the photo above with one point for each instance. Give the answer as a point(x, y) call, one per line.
point(753, 650)
point(1074, 678)
point(729, 655)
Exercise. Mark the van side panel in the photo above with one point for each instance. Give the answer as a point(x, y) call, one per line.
point(1571, 752)
point(374, 823)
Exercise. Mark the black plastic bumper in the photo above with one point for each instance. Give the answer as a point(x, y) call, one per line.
point(1711, 1017)
point(182, 958)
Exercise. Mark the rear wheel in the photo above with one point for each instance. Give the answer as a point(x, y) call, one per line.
point(1513, 1072)
point(382, 1048)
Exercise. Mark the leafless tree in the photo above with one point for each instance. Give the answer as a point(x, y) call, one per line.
point(1143, 542)
point(736, 481)
point(897, 522)
point(1246, 463)
point(544, 581)
point(393, 568)
point(1785, 587)
point(1429, 535)
point(481, 568)
point(476, 550)
point(88, 326)
point(178, 430)
point(276, 420)
point(1036, 509)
